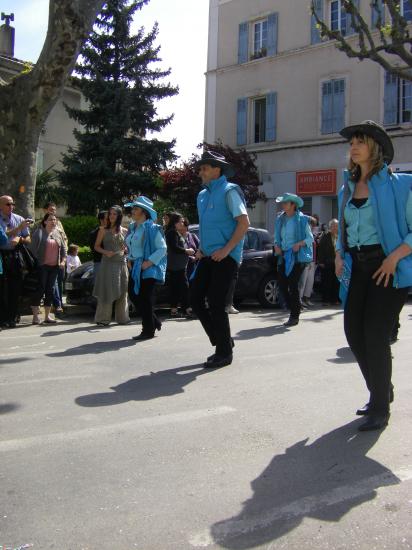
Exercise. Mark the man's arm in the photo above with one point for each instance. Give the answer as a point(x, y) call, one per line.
point(240, 231)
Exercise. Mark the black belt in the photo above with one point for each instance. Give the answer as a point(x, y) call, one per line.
point(367, 252)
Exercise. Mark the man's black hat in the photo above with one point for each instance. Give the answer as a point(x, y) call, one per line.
point(218, 161)
point(375, 131)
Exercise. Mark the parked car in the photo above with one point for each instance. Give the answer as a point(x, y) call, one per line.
point(257, 275)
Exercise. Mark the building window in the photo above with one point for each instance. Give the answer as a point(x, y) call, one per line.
point(338, 16)
point(398, 100)
point(260, 39)
point(406, 9)
point(260, 120)
point(333, 106)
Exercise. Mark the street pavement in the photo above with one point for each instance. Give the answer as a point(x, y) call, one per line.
point(111, 444)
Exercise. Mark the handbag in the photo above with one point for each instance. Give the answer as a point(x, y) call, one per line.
point(27, 260)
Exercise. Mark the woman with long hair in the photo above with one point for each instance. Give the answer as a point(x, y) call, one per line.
point(111, 280)
point(48, 247)
point(373, 260)
point(146, 262)
point(177, 260)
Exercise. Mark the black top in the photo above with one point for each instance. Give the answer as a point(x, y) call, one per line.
point(97, 257)
point(357, 203)
point(176, 251)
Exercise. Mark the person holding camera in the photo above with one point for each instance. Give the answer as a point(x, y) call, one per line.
point(17, 231)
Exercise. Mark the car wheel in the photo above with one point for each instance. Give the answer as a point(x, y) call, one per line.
point(268, 292)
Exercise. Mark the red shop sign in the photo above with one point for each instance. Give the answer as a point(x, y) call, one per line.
point(318, 182)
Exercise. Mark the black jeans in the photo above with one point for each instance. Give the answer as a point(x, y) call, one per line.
point(179, 288)
point(213, 280)
point(144, 303)
point(47, 279)
point(289, 287)
point(370, 314)
point(330, 284)
point(11, 286)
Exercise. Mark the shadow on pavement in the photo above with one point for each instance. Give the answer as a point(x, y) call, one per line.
point(8, 407)
point(94, 347)
point(92, 328)
point(323, 480)
point(146, 387)
point(344, 355)
point(326, 317)
point(251, 333)
point(11, 360)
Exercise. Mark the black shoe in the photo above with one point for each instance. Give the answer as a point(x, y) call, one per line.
point(364, 411)
point(158, 326)
point(219, 361)
point(211, 357)
point(375, 422)
point(291, 322)
point(12, 324)
point(143, 336)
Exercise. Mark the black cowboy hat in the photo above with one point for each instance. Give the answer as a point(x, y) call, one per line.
point(218, 161)
point(375, 131)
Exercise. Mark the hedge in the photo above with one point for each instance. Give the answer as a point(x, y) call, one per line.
point(78, 229)
point(85, 254)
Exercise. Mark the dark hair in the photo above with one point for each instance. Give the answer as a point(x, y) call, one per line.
point(174, 217)
point(101, 214)
point(48, 204)
point(119, 217)
point(186, 222)
point(46, 217)
point(73, 248)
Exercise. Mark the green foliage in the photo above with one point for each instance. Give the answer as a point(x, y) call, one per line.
point(78, 229)
point(116, 155)
point(85, 254)
point(47, 189)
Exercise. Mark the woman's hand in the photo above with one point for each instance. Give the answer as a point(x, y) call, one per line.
point(385, 271)
point(278, 250)
point(199, 254)
point(190, 252)
point(129, 264)
point(109, 253)
point(338, 265)
point(146, 264)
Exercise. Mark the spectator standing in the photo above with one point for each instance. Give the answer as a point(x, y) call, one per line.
point(223, 223)
point(147, 258)
point(293, 247)
point(102, 218)
point(374, 255)
point(17, 232)
point(307, 278)
point(73, 260)
point(51, 208)
point(177, 260)
point(326, 260)
point(3, 241)
point(49, 249)
point(191, 241)
point(112, 278)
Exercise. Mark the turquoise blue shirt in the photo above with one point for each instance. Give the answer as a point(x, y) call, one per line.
point(134, 243)
point(289, 234)
point(235, 203)
point(360, 223)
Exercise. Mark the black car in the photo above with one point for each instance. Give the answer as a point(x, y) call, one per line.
point(257, 275)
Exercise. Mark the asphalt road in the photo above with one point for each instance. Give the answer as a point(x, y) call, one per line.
point(108, 444)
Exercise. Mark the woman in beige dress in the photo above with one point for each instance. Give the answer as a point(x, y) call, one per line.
point(112, 278)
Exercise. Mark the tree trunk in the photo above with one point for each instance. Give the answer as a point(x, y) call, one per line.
point(27, 100)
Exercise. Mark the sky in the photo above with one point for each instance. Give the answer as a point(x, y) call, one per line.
point(183, 26)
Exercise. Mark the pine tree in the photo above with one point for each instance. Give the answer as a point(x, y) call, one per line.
point(115, 157)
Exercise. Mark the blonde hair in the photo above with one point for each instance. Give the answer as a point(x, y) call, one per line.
point(376, 158)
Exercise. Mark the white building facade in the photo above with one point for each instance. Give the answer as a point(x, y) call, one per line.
point(274, 88)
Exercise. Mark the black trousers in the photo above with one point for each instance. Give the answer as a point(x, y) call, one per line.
point(330, 284)
point(144, 303)
point(179, 288)
point(213, 280)
point(370, 314)
point(47, 280)
point(11, 286)
point(289, 287)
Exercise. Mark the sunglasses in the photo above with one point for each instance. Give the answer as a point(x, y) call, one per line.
point(10, 204)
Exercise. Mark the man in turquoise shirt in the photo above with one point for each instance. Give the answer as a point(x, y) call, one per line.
point(223, 223)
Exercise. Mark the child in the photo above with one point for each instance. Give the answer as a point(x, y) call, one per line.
point(73, 260)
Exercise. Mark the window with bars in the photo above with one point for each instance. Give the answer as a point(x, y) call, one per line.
point(397, 100)
point(333, 106)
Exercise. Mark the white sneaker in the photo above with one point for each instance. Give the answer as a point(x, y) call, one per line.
point(231, 310)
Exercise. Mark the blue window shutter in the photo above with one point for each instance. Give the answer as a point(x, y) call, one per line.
point(391, 109)
point(378, 10)
point(327, 108)
point(315, 37)
point(271, 116)
point(338, 105)
point(243, 43)
point(273, 34)
point(241, 138)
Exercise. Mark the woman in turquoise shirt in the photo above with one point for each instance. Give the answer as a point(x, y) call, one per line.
point(146, 260)
point(374, 259)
